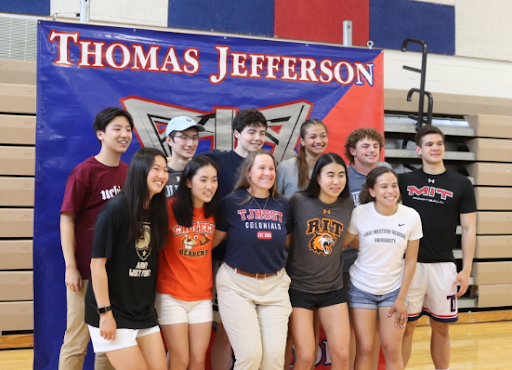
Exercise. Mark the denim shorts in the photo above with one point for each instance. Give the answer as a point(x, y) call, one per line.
point(358, 298)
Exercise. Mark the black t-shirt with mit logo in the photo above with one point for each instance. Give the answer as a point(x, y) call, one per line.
point(439, 199)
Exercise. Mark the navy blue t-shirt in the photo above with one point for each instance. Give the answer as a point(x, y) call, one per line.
point(229, 163)
point(257, 231)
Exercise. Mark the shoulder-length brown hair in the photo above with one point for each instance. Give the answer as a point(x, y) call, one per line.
point(244, 182)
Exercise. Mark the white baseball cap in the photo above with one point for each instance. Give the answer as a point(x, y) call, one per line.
point(182, 123)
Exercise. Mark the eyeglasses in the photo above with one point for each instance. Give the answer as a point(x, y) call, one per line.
point(186, 138)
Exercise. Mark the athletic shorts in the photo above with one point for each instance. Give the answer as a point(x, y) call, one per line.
point(316, 300)
point(175, 311)
point(124, 338)
point(432, 292)
point(360, 299)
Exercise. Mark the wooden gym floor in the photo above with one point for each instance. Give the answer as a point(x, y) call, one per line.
point(479, 346)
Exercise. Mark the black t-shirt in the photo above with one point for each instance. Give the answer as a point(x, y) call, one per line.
point(439, 199)
point(172, 184)
point(257, 231)
point(131, 269)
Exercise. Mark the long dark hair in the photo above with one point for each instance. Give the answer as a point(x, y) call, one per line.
point(371, 180)
point(301, 156)
point(183, 205)
point(244, 182)
point(313, 189)
point(137, 194)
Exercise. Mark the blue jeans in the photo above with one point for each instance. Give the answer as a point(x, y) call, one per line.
point(358, 298)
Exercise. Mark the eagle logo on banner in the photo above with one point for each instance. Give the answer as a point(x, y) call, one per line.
point(151, 117)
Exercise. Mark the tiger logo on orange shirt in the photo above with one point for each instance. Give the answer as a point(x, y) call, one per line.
point(321, 243)
point(194, 240)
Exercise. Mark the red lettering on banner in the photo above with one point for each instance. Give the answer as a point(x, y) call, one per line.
point(151, 58)
point(63, 46)
point(222, 65)
point(119, 56)
point(307, 70)
point(96, 53)
point(125, 55)
point(171, 59)
point(191, 58)
point(366, 71)
point(264, 235)
point(256, 65)
point(289, 65)
point(239, 69)
point(272, 66)
point(338, 72)
point(325, 69)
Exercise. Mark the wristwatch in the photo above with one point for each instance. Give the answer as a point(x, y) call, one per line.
point(104, 310)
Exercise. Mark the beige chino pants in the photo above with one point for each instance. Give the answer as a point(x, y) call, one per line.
point(255, 315)
point(76, 339)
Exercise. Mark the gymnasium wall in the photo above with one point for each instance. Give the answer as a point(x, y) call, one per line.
point(468, 28)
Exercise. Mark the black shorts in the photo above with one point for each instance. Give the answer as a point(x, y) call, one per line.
point(316, 300)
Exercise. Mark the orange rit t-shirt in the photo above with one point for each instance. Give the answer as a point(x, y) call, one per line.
point(185, 263)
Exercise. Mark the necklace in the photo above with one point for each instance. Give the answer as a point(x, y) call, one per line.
point(255, 201)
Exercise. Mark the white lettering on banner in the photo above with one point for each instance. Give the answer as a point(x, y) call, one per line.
point(309, 69)
point(119, 56)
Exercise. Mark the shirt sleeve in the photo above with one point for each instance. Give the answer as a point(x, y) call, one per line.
point(416, 230)
point(468, 200)
point(352, 228)
point(288, 214)
point(222, 221)
point(105, 234)
point(281, 174)
point(74, 194)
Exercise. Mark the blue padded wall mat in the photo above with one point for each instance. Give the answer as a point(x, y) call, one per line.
point(392, 21)
point(31, 7)
point(248, 17)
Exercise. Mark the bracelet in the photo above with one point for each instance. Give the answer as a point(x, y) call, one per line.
point(104, 310)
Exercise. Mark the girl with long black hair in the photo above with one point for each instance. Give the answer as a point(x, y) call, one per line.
point(120, 301)
point(184, 284)
point(321, 216)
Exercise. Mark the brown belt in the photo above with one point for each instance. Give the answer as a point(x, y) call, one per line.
point(250, 274)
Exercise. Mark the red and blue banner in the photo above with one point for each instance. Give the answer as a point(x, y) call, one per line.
point(156, 76)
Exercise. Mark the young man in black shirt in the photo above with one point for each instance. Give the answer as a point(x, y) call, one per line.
point(441, 197)
point(182, 136)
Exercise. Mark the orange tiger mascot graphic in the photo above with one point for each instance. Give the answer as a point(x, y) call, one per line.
point(322, 243)
point(194, 240)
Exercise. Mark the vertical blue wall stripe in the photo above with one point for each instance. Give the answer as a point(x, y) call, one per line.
point(31, 7)
point(250, 17)
point(392, 21)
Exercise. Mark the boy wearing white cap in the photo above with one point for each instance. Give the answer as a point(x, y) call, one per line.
point(182, 135)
